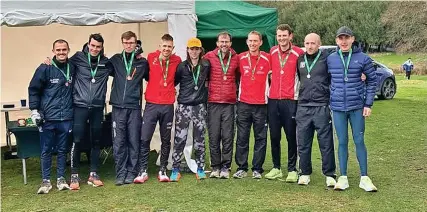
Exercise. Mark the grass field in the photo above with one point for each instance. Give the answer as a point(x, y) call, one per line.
point(396, 138)
point(395, 61)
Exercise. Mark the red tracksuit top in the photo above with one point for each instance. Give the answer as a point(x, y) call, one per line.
point(284, 82)
point(254, 88)
point(157, 92)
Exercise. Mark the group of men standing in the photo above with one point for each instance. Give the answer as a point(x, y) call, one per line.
point(285, 88)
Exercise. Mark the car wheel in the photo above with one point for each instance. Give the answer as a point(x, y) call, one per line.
point(388, 89)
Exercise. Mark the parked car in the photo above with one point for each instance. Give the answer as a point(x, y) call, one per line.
point(386, 81)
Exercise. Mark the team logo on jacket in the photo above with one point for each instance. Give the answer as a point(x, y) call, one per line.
point(301, 65)
point(54, 81)
point(246, 68)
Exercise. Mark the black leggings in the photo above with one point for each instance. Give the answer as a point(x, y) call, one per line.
point(81, 116)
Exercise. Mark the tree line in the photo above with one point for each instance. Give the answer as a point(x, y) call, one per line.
point(379, 24)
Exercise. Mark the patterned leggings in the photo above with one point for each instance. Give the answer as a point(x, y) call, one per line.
point(184, 114)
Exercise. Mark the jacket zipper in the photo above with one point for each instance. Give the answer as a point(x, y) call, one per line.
point(124, 91)
point(280, 74)
point(345, 86)
point(90, 94)
point(280, 84)
point(345, 99)
point(62, 101)
point(62, 105)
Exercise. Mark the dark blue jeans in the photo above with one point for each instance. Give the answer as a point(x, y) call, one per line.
point(357, 122)
point(54, 137)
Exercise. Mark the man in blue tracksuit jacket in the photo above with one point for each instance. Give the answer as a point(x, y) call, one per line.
point(51, 104)
point(350, 102)
point(408, 66)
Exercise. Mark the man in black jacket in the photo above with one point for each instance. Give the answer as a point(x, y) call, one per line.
point(191, 75)
point(313, 113)
point(89, 100)
point(128, 71)
point(51, 104)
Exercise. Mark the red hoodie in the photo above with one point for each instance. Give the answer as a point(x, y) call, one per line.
point(157, 92)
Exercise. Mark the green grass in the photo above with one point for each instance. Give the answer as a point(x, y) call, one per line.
point(396, 138)
point(395, 61)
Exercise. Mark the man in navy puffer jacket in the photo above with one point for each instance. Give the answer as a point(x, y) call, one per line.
point(349, 101)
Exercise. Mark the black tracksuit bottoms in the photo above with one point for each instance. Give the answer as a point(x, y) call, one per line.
point(310, 119)
point(248, 114)
point(81, 115)
point(281, 114)
point(154, 113)
point(126, 126)
point(221, 133)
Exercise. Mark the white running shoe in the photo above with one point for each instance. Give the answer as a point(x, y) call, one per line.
point(366, 184)
point(342, 183)
point(304, 180)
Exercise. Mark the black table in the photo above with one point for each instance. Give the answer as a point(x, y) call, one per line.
point(28, 141)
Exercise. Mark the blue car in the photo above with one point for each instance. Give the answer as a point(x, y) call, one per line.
point(386, 82)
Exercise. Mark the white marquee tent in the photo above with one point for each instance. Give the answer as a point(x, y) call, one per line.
point(180, 15)
point(29, 28)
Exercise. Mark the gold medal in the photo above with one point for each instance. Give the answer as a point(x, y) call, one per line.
point(129, 78)
point(165, 84)
point(225, 77)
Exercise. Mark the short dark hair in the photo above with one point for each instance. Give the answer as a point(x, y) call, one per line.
point(285, 27)
point(167, 37)
point(98, 37)
point(60, 41)
point(222, 34)
point(128, 35)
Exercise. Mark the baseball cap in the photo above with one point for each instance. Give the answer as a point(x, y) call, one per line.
point(194, 42)
point(344, 31)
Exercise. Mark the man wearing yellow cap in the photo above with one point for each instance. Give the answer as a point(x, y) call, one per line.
point(191, 75)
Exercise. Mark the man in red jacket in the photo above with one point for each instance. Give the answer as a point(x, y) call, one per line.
point(252, 107)
point(221, 100)
point(160, 97)
point(282, 103)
